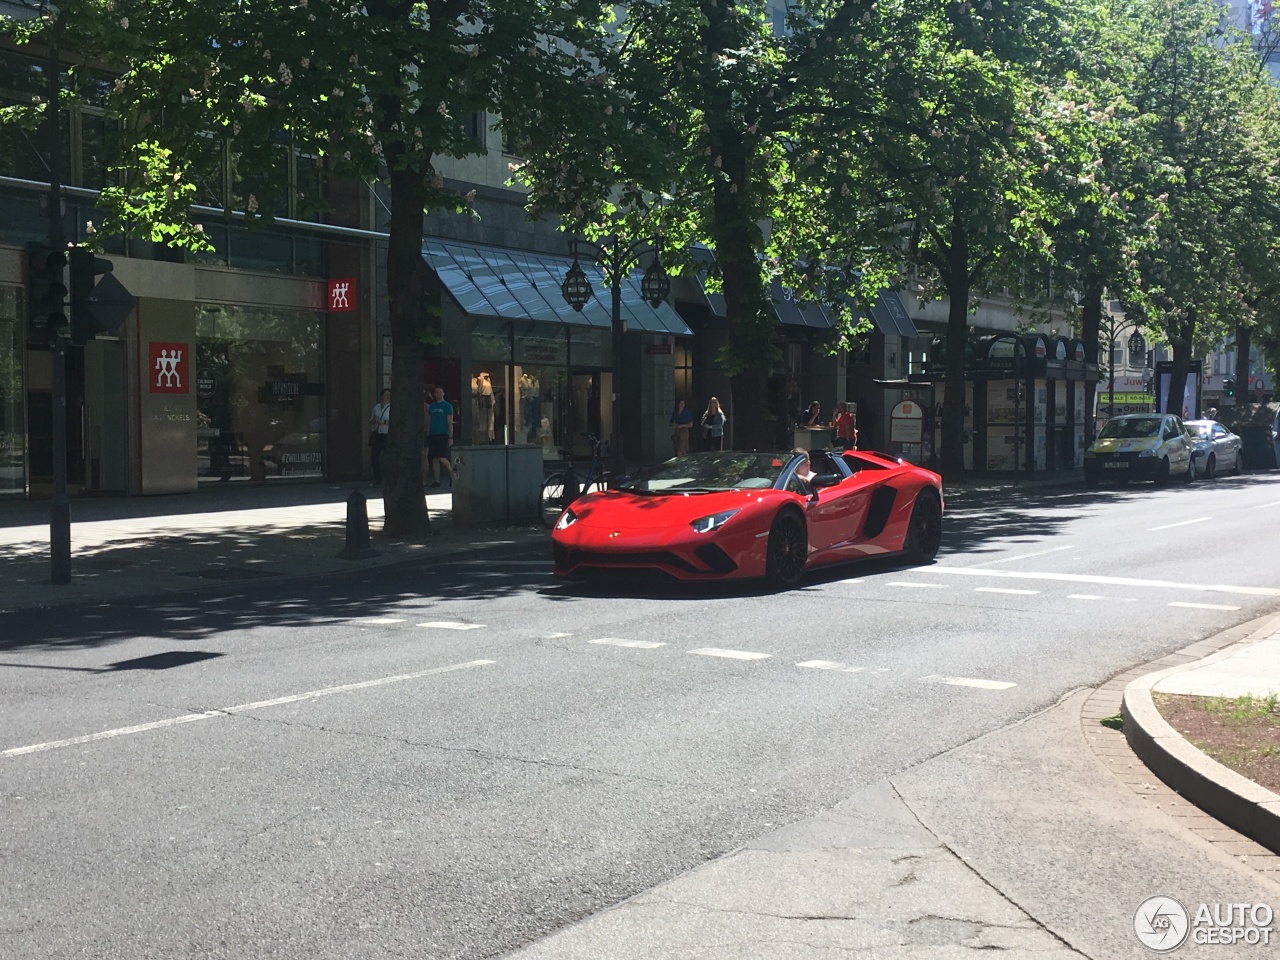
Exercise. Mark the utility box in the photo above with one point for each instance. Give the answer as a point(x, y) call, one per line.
point(497, 483)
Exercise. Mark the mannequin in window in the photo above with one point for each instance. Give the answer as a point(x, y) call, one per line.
point(485, 400)
point(530, 402)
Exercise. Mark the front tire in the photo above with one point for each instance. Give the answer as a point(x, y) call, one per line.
point(788, 550)
point(1162, 473)
point(924, 530)
point(1210, 467)
point(1191, 471)
point(1238, 469)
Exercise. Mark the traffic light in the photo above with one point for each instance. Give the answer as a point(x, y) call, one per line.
point(46, 316)
point(1229, 388)
point(97, 306)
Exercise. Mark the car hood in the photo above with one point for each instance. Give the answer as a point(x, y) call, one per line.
point(1119, 445)
point(620, 510)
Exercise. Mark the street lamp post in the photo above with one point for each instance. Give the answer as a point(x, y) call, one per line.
point(615, 257)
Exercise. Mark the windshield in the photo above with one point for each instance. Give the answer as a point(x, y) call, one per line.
point(706, 472)
point(1130, 428)
point(1200, 429)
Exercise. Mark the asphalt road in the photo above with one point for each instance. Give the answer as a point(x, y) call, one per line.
point(452, 761)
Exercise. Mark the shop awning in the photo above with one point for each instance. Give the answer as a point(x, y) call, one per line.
point(525, 285)
point(789, 311)
point(890, 316)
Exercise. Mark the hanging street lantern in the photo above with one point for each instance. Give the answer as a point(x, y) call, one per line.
point(1137, 349)
point(576, 287)
point(655, 286)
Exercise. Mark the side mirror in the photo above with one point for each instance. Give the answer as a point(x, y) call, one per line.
point(823, 480)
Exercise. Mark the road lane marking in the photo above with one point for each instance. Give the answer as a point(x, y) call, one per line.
point(1025, 556)
point(1096, 596)
point(916, 586)
point(829, 665)
point(1275, 503)
point(1180, 523)
point(557, 636)
point(377, 620)
point(635, 644)
point(1021, 593)
point(1108, 581)
point(239, 708)
point(852, 580)
point(970, 682)
point(729, 654)
point(451, 625)
point(1203, 606)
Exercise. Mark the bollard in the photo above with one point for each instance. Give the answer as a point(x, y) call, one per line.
point(358, 546)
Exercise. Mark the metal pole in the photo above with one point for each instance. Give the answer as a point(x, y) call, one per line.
point(60, 507)
point(619, 460)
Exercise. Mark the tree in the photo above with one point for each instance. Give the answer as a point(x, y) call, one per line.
point(379, 90)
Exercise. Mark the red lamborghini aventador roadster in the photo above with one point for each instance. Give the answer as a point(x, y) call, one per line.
point(725, 515)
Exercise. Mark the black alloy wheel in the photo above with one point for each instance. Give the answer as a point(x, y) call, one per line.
point(1162, 472)
point(924, 531)
point(1238, 469)
point(788, 550)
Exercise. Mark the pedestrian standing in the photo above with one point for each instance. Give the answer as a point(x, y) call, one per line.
point(439, 433)
point(379, 424)
point(846, 428)
point(713, 425)
point(681, 421)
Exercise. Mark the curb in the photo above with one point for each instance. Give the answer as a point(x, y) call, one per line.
point(1234, 800)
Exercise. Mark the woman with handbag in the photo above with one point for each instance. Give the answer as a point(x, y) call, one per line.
point(379, 423)
point(713, 426)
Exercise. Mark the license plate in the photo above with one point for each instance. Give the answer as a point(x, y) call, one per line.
point(1116, 465)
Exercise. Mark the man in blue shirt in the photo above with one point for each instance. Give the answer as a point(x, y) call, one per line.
point(439, 433)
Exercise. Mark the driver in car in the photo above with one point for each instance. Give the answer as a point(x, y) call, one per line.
point(804, 471)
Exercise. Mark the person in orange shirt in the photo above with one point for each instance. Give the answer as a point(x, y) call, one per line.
point(846, 428)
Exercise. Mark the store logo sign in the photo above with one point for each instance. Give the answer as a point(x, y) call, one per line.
point(342, 296)
point(167, 366)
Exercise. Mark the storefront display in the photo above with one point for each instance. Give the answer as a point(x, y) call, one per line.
point(260, 393)
point(12, 452)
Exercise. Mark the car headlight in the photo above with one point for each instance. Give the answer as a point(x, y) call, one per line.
point(1147, 453)
point(707, 524)
point(567, 519)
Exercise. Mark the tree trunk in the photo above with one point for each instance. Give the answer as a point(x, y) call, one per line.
point(1178, 374)
point(1090, 327)
point(1244, 340)
point(403, 500)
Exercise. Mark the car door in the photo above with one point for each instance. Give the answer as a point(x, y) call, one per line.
point(1177, 445)
point(1226, 447)
point(834, 516)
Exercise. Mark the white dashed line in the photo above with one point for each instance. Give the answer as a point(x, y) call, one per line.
point(1025, 556)
point(1275, 503)
point(377, 620)
point(829, 665)
point(1097, 596)
point(1021, 593)
point(970, 682)
point(916, 586)
point(852, 580)
point(1180, 523)
point(450, 625)
point(1203, 606)
point(635, 644)
point(729, 654)
point(1105, 581)
point(241, 708)
point(558, 636)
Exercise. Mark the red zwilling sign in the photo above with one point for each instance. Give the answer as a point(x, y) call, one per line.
point(167, 367)
point(342, 295)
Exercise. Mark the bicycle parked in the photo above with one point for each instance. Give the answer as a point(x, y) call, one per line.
point(561, 489)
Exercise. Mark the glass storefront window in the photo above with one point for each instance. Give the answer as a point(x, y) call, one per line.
point(260, 393)
point(490, 411)
point(540, 396)
point(12, 460)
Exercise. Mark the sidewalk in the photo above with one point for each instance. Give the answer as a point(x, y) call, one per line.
point(142, 546)
point(1247, 668)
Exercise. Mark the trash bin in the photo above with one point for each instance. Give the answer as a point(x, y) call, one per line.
point(497, 483)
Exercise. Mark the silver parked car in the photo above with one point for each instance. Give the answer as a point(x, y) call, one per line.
point(1217, 449)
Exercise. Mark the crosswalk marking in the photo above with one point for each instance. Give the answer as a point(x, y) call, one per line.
point(829, 665)
point(729, 654)
point(1023, 593)
point(450, 625)
point(970, 682)
point(636, 644)
point(1203, 606)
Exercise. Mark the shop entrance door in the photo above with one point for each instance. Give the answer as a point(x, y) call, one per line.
point(590, 410)
point(105, 435)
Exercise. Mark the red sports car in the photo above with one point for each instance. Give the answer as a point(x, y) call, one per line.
point(727, 515)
